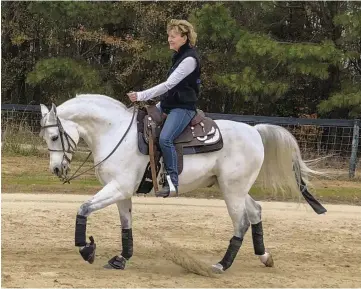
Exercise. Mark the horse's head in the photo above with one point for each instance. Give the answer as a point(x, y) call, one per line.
point(61, 137)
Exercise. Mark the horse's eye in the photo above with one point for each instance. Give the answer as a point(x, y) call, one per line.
point(55, 138)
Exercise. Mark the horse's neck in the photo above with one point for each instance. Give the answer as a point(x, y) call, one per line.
point(96, 127)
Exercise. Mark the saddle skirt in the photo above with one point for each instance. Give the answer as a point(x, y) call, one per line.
point(202, 131)
point(202, 135)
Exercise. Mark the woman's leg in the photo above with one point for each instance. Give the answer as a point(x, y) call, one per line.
point(176, 122)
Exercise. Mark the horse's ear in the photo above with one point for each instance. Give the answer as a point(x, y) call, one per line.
point(52, 113)
point(53, 108)
point(44, 110)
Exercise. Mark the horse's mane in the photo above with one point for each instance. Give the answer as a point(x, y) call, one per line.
point(100, 103)
point(102, 97)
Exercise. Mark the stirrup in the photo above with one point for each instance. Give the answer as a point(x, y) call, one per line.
point(168, 190)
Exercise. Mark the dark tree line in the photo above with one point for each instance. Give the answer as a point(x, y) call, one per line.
point(269, 58)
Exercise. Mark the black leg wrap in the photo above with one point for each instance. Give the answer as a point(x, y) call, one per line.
point(80, 230)
point(233, 248)
point(127, 243)
point(257, 237)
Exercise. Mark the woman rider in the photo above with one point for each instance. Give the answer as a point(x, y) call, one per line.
point(179, 94)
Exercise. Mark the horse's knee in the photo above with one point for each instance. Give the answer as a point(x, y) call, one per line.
point(254, 211)
point(84, 210)
point(125, 221)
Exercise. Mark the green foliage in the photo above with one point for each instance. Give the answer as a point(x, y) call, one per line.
point(351, 22)
point(307, 59)
point(348, 98)
point(214, 23)
point(351, 101)
point(247, 83)
point(252, 64)
point(90, 14)
point(157, 53)
point(266, 58)
point(65, 72)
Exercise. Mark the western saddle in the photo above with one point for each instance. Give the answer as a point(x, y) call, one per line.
point(200, 136)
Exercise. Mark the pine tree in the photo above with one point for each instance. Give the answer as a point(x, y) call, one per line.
point(348, 100)
point(284, 58)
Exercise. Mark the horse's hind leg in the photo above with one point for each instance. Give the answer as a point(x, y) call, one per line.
point(125, 214)
point(254, 213)
point(236, 206)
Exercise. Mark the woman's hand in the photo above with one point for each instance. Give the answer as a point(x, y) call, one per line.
point(132, 96)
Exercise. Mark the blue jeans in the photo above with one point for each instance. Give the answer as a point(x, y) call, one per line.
point(177, 120)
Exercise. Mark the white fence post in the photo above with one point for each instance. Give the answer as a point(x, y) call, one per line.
point(355, 140)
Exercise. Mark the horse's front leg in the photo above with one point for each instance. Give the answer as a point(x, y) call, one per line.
point(110, 194)
point(125, 214)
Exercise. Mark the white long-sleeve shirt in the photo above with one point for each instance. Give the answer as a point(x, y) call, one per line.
point(185, 68)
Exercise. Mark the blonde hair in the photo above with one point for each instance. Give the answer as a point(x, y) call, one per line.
point(184, 28)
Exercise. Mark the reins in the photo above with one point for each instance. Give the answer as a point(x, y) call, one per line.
point(71, 148)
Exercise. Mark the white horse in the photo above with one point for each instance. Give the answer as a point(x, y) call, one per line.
point(266, 153)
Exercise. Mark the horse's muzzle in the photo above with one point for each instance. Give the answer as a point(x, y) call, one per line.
point(57, 171)
point(61, 171)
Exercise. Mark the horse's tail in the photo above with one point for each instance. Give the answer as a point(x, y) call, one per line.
point(283, 169)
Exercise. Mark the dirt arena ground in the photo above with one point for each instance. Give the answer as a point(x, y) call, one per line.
point(308, 250)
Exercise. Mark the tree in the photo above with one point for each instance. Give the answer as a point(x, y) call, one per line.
point(347, 101)
point(272, 58)
point(257, 67)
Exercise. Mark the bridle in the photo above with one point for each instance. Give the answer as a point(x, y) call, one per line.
point(71, 148)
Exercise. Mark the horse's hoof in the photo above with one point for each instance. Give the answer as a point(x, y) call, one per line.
point(116, 263)
point(217, 268)
point(269, 262)
point(88, 251)
point(107, 266)
point(267, 259)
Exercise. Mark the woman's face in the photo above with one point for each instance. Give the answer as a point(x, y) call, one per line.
point(175, 40)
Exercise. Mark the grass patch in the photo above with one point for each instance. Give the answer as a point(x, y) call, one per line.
point(30, 174)
point(18, 139)
point(346, 195)
point(48, 181)
point(28, 183)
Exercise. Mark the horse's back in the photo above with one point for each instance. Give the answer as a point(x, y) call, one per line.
point(239, 133)
point(243, 151)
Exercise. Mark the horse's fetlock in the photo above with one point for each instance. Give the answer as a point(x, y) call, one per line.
point(234, 244)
